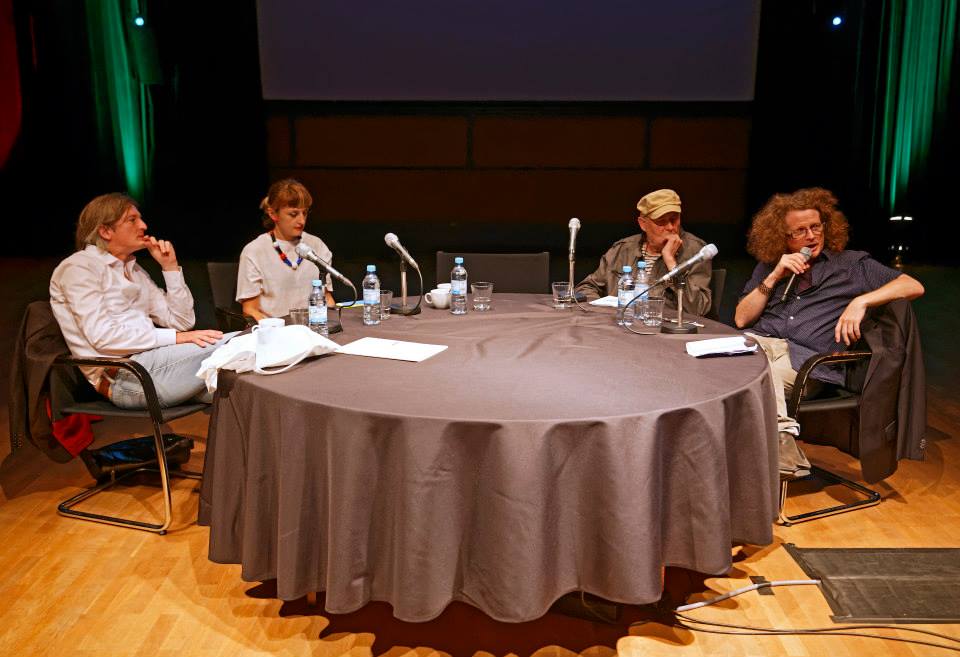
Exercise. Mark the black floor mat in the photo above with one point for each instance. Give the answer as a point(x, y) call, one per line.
point(886, 585)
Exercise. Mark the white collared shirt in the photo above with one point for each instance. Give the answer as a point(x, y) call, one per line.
point(106, 307)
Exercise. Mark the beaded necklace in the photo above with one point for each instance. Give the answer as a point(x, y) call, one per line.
point(283, 256)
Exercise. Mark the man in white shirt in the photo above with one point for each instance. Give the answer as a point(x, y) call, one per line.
point(107, 305)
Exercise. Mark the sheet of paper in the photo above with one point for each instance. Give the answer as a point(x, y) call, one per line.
point(721, 347)
point(608, 302)
point(394, 349)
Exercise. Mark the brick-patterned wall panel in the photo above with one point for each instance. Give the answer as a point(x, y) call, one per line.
point(559, 142)
point(381, 141)
point(524, 196)
point(687, 143)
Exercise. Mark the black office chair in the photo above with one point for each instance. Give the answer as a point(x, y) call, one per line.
point(836, 417)
point(75, 395)
point(718, 280)
point(223, 284)
point(509, 272)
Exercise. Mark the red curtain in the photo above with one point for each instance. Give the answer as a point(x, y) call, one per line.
point(10, 99)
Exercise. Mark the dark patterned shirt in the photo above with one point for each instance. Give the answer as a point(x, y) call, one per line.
point(807, 319)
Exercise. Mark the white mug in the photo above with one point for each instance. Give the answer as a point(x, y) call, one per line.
point(266, 330)
point(438, 297)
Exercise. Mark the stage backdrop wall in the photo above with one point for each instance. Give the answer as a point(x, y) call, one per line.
point(509, 176)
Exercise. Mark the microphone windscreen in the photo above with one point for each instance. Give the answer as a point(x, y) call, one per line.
point(304, 250)
point(391, 239)
point(574, 223)
point(709, 251)
point(807, 252)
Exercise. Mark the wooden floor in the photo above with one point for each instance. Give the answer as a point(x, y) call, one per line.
point(77, 588)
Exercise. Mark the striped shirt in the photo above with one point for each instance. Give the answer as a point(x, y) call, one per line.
point(807, 319)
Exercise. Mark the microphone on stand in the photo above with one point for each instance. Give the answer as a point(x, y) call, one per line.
point(806, 253)
point(405, 259)
point(574, 226)
point(394, 243)
point(681, 327)
point(706, 253)
point(306, 252)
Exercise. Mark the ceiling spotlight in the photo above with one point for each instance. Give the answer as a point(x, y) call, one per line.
point(837, 20)
point(139, 21)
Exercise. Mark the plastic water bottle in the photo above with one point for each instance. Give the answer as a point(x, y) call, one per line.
point(458, 287)
point(371, 297)
point(317, 303)
point(641, 284)
point(624, 296)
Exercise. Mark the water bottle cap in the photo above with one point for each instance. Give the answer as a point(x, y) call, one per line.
point(371, 268)
point(627, 269)
point(458, 260)
point(641, 264)
point(316, 282)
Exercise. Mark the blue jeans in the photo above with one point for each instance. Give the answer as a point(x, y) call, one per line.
point(173, 369)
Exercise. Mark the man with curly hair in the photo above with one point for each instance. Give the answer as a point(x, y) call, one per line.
point(661, 244)
point(826, 303)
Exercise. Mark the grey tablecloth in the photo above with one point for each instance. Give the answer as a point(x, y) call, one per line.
point(543, 452)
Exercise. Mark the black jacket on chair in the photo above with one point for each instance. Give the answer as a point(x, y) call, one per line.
point(893, 406)
point(38, 344)
point(891, 420)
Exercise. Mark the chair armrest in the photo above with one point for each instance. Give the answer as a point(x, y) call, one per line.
point(819, 359)
point(229, 320)
point(138, 370)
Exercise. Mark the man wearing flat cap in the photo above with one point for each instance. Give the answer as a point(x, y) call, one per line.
point(662, 244)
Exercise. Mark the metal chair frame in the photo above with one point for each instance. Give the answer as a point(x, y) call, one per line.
point(158, 416)
point(795, 405)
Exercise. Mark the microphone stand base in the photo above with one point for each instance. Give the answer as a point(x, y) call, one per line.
point(679, 329)
point(397, 309)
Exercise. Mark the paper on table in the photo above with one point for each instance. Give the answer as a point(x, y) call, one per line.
point(395, 349)
point(721, 347)
point(609, 302)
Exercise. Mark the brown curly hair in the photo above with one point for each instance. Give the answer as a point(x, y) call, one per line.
point(286, 193)
point(767, 240)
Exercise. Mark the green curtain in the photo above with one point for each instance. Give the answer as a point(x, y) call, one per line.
point(912, 86)
point(124, 109)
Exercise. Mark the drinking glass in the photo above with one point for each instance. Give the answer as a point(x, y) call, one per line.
point(386, 298)
point(561, 294)
point(482, 295)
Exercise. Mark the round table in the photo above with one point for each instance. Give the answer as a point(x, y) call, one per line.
point(544, 451)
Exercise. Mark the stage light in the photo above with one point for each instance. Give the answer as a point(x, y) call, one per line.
point(837, 20)
point(139, 21)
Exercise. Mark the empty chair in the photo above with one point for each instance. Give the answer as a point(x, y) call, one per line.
point(223, 284)
point(509, 272)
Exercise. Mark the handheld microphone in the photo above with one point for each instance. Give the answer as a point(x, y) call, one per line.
point(574, 226)
point(305, 251)
point(394, 243)
point(706, 253)
point(806, 253)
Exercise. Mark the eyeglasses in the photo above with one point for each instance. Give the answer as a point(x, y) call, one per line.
point(800, 233)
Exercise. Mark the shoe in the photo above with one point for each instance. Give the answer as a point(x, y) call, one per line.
point(793, 462)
